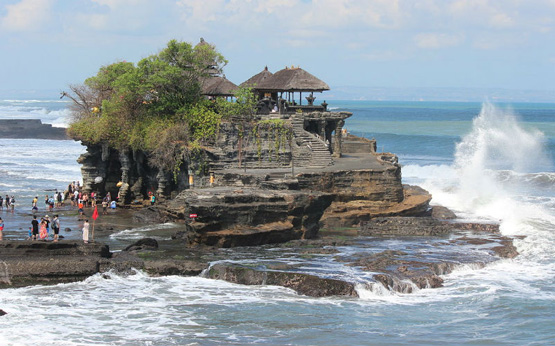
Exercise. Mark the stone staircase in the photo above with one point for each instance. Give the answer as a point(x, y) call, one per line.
point(312, 151)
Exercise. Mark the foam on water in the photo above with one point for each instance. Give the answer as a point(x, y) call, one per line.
point(51, 112)
point(498, 175)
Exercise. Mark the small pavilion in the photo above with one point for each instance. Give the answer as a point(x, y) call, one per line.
point(277, 92)
point(217, 86)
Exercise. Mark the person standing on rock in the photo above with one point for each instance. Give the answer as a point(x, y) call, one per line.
point(56, 227)
point(43, 233)
point(35, 225)
point(105, 206)
point(86, 231)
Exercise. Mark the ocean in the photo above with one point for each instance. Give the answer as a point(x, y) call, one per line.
point(486, 161)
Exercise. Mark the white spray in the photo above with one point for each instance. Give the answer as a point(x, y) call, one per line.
point(490, 163)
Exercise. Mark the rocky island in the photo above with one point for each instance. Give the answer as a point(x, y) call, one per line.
point(252, 169)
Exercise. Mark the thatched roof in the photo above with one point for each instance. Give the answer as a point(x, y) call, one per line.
point(257, 79)
point(218, 86)
point(292, 79)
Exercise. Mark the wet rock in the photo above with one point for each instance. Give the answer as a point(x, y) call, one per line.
point(506, 249)
point(174, 267)
point(405, 226)
point(305, 284)
point(143, 244)
point(399, 271)
point(476, 226)
point(37, 262)
point(149, 215)
point(442, 213)
point(2, 312)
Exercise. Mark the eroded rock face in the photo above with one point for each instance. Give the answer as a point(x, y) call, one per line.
point(349, 211)
point(375, 185)
point(229, 217)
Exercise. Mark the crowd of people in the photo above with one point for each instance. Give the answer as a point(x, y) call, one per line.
point(44, 228)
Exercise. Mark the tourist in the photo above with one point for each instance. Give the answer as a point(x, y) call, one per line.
point(7, 202)
point(34, 207)
point(1, 229)
point(81, 211)
point(105, 206)
point(51, 203)
point(47, 221)
point(12, 203)
point(93, 199)
point(86, 231)
point(59, 200)
point(152, 199)
point(30, 234)
point(1, 203)
point(43, 234)
point(35, 225)
point(46, 203)
point(56, 227)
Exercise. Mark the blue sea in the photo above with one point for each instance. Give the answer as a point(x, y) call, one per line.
point(486, 161)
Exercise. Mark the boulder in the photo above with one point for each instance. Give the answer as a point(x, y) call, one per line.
point(305, 284)
point(442, 213)
point(143, 244)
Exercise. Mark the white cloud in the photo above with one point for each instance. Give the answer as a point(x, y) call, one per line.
point(437, 40)
point(26, 15)
point(120, 17)
point(501, 20)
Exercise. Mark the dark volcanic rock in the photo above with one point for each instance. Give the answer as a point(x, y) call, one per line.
point(506, 249)
point(49, 262)
point(2, 312)
point(405, 226)
point(149, 215)
point(30, 128)
point(475, 226)
point(400, 272)
point(306, 284)
point(143, 244)
point(174, 267)
point(442, 213)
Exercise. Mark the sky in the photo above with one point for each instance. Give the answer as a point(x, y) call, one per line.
point(355, 45)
